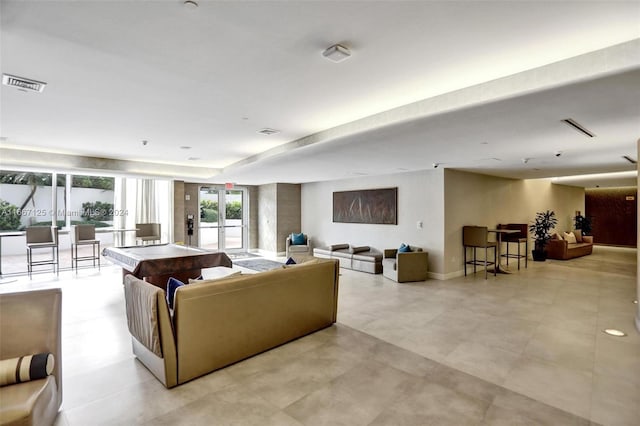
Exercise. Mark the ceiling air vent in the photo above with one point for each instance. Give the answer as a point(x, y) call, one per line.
point(22, 83)
point(577, 126)
point(629, 159)
point(267, 131)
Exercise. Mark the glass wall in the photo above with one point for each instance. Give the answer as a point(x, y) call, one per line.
point(25, 200)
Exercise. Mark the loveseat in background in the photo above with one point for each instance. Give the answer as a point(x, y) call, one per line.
point(363, 258)
point(564, 250)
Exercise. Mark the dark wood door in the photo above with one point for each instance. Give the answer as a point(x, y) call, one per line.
point(613, 212)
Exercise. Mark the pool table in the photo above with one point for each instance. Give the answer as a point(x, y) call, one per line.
point(157, 263)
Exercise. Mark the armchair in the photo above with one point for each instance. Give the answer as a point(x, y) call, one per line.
point(405, 266)
point(298, 244)
point(30, 323)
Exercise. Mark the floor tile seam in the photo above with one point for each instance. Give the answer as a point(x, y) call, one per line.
point(569, 366)
point(503, 386)
point(104, 397)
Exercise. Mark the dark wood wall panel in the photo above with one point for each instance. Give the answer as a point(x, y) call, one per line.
point(613, 213)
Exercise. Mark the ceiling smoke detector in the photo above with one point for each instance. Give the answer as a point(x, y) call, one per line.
point(24, 84)
point(267, 131)
point(336, 53)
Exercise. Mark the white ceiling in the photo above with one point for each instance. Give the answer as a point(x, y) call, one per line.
point(472, 85)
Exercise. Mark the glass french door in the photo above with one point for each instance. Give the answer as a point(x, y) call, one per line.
point(222, 228)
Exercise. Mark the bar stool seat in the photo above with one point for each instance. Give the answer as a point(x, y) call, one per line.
point(84, 235)
point(478, 237)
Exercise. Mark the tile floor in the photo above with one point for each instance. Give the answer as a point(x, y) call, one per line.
point(525, 349)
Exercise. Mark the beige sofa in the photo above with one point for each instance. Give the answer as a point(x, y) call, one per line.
point(217, 323)
point(30, 323)
point(407, 266)
point(563, 250)
point(363, 259)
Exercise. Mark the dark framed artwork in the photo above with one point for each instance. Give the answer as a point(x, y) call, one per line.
point(377, 206)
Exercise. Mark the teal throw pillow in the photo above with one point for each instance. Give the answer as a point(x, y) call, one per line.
point(298, 239)
point(404, 248)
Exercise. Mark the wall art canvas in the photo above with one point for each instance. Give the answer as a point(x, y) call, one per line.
point(377, 206)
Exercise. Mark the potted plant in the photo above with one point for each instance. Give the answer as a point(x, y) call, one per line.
point(582, 223)
point(540, 230)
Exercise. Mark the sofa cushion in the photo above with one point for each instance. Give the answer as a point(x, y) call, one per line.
point(335, 247)
point(570, 237)
point(356, 249)
point(29, 403)
point(368, 256)
point(25, 368)
point(578, 234)
point(298, 239)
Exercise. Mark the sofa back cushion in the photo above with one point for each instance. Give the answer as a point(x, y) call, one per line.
point(570, 237)
point(578, 234)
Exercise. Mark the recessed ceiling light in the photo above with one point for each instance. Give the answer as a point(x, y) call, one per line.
point(22, 83)
point(185, 147)
point(191, 4)
point(484, 143)
point(267, 131)
point(614, 332)
point(193, 158)
point(635, 302)
point(336, 53)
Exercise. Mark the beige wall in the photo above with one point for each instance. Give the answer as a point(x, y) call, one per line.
point(420, 199)
point(267, 218)
point(288, 213)
point(473, 199)
point(254, 228)
point(278, 215)
point(179, 227)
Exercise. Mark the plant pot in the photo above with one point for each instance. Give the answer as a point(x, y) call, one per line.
point(539, 255)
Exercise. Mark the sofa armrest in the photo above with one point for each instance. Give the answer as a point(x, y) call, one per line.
point(413, 266)
point(30, 323)
point(556, 249)
point(150, 324)
point(587, 239)
point(390, 253)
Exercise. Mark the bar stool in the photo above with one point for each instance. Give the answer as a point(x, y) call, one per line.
point(518, 238)
point(147, 232)
point(478, 237)
point(84, 235)
point(42, 237)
